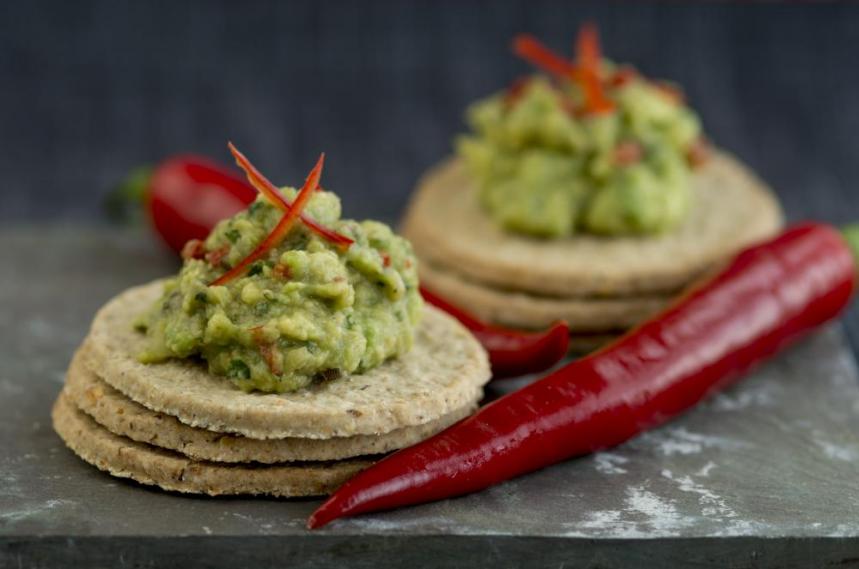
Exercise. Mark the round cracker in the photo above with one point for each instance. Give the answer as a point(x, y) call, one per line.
point(731, 209)
point(523, 310)
point(444, 372)
point(122, 416)
point(169, 470)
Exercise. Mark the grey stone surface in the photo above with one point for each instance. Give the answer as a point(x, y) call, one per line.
point(763, 474)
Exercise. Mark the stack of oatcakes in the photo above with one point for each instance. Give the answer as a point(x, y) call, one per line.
point(176, 426)
point(601, 286)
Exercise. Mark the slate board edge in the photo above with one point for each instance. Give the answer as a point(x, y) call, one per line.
point(303, 552)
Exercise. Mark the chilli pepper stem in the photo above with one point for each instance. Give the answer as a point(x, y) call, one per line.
point(851, 236)
point(126, 200)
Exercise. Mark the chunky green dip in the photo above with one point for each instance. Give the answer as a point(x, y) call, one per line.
point(309, 310)
point(545, 170)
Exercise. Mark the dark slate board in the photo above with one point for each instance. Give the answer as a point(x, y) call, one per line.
point(763, 475)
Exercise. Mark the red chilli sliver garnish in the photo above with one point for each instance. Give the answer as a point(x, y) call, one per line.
point(589, 59)
point(698, 152)
point(622, 76)
point(670, 91)
point(628, 152)
point(265, 187)
point(534, 52)
point(282, 272)
point(266, 349)
point(193, 249)
point(515, 91)
point(281, 229)
point(215, 257)
point(585, 72)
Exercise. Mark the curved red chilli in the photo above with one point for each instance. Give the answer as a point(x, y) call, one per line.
point(511, 352)
point(769, 296)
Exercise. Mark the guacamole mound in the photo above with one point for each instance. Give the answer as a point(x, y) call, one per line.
point(545, 170)
point(309, 311)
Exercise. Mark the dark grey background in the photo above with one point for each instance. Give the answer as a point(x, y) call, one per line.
point(90, 89)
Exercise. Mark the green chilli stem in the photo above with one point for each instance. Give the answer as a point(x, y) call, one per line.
point(851, 235)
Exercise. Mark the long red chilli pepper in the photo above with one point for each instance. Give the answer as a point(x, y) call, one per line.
point(766, 298)
point(511, 352)
point(281, 229)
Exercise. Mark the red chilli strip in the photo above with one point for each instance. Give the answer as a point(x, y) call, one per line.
point(193, 249)
point(628, 152)
point(589, 59)
point(215, 257)
point(266, 349)
point(265, 187)
point(622, 76)
point(282, 272)
point(281, 229)
point(672, 92)
point(515, 91)
point(588, 47)
point(698, 152)
point(534, 52)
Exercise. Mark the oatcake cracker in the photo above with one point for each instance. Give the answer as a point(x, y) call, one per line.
point(169, 470)
point(444, 372)
point(523, 310)
point(732, 208)
point(122, 416)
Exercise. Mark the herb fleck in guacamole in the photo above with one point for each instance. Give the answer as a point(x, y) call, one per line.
point(546, 168)
point(308, 310)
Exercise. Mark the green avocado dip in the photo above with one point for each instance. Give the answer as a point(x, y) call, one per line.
point(545, 168)
point(309, 310)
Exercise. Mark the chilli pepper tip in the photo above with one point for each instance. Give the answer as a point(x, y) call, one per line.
point(329, 511)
